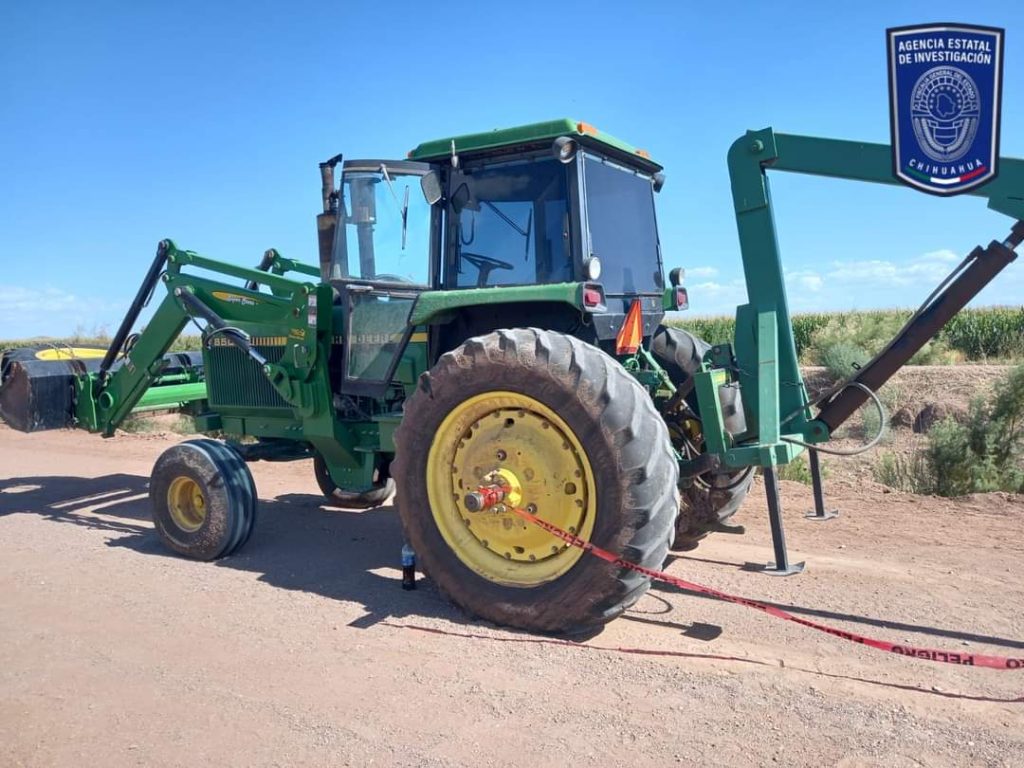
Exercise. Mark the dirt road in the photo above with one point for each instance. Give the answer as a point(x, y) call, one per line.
point(303, 650)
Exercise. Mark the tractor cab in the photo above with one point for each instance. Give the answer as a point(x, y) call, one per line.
point(554, 202)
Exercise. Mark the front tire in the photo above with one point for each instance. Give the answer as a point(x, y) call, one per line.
point(576, 438)
point(349, 499)
point(204, 499)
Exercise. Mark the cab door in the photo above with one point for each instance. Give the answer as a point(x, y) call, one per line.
point(384, 254)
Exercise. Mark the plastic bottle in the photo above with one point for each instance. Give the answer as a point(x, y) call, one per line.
point(408, 567)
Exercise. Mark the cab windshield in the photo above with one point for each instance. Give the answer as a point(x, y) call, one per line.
point(383, 230)
point(623, 230)
point(509, 225)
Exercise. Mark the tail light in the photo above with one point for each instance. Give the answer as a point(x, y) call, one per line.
point(592, 297)
point(682, 298)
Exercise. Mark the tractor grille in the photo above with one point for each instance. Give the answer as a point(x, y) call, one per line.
point(234, 379)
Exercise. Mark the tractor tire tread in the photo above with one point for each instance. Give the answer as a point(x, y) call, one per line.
point(229, 491)
point(582, 384)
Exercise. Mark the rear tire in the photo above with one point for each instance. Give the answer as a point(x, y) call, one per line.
point(591, 452)
point(707, 500)
point(339, 498)
point(204, 499)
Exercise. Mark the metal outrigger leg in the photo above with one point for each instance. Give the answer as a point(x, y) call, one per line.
point(781, 566)
point(819, 512)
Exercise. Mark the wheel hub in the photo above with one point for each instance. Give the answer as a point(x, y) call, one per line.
point(186, 504)
point(501, 451)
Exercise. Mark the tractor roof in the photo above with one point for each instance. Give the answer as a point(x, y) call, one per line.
point(534, 135)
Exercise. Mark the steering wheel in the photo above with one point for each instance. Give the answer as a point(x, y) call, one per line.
point(387, 277)
point(485, 264)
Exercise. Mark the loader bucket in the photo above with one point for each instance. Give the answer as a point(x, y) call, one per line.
point(37, 383)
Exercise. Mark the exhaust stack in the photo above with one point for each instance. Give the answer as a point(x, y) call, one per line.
point(327, 222)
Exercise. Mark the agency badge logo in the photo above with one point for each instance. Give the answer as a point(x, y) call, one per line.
point(945, 90)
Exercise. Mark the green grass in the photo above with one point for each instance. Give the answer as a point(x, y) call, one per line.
point(799, 470)
point(990, 334)
point(142, 423)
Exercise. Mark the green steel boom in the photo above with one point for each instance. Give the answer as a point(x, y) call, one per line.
point(766, 364)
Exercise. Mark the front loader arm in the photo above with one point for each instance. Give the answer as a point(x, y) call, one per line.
point(106, 398)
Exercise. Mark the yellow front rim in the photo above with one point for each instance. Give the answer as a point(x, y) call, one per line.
point(538, 457)
point(186, 504)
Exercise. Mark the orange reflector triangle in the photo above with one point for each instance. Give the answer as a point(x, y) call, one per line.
point(631, 333)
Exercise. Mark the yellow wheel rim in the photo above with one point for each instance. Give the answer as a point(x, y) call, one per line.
point(542, 463)
point(186, 504)
point(70, 353)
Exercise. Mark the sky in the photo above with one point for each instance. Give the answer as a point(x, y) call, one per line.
point(124, 123)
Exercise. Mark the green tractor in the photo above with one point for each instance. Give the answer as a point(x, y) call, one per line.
point(484, 333)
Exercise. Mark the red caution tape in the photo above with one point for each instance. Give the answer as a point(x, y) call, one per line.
point(928, 654)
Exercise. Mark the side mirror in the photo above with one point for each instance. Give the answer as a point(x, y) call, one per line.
point(430, 183)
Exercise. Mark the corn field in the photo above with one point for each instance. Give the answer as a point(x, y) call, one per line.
point(988, 334)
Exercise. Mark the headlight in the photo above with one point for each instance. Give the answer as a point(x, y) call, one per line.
point(592, 267)
point(564, 149)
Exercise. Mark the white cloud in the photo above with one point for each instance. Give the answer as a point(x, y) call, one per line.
point(805, 280)
point(853, 284)
point(945, 256)
point(929, 267)
point(702, 272)
point(16, 298)
point(717, 298)
point(51, 311)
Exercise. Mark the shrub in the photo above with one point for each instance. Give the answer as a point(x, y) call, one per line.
point(843, 358)
point(950, 460)
point(906, 473)
point(799, 470)
point(985, 454)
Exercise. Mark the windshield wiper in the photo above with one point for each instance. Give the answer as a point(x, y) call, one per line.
point(508, 220)
point(403, 208)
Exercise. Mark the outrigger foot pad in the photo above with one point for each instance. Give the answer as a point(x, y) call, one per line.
point(791, 569)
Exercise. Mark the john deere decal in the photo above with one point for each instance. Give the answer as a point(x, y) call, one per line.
point(945, 88)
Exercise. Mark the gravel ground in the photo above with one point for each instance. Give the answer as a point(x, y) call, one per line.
point(303, 650)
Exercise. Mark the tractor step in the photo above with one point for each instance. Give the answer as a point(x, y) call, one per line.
point(37, 383)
